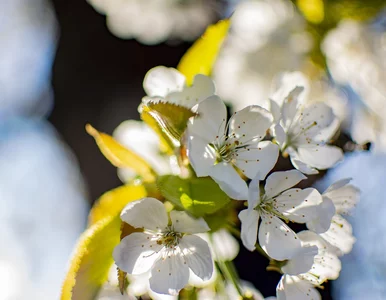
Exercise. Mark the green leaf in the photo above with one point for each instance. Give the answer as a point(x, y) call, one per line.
point(168, 120)
point(199, 196)
point(92, 257)
point(92, 260)
point(120, 156)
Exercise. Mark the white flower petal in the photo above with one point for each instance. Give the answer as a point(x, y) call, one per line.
point(257, 159)
point(211, 120)
point(294, 288)
point(299, 205)
point(136, 253)
point(184, 223)
point(290, 107)
point(250, 124)
point(229, 181)
point(279, 134)
point(320, 157)
point(197, 255)
point(277, 239)
point(339, 235)
point(344, 197)
point(325, 211)
point(275, 110)
point(249, 223)
point(326, 263)
point(169, 274)
point(287, 82)
point(148, 213)
point(302, 167)
point(254, 192)
point(202, 88)
point(161, 81)
point(281, 181)
point(337, 185)
point(225, 245)
point(314, 118)
point(201, 156)
point(301, 262)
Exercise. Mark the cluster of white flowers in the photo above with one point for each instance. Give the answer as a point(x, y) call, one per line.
point(231, 151)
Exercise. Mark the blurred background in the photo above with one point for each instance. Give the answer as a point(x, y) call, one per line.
point(67, 63)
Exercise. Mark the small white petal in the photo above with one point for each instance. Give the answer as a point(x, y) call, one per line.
point(338, 185)
point(202, 88)
point(184, 223)
point(314, 118)
point(225, 245)
point(136, 253)
point(148, 213)
point(281, 181)
point(301, 262)
point(299, 165)
point(254, 192)
point(169, 274)
point(294, 288)
point(211, 120)
point(339, 235)
point(275, 110)
point(298, 205)
point(161, 81)
point(197, 254)
point(344, 197)
point(249, 223)
point(201, 156)
point(325, 211)
point(290, 107)
point(279, 134)
point(320, 157)
point(250, 124)
point(277, 239)
point(229, 181)
point(257, 159)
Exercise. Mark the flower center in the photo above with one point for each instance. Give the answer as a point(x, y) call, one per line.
point(270, 207)
point(170, 238)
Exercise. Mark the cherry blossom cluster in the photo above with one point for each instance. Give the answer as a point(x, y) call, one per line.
point(173, 248)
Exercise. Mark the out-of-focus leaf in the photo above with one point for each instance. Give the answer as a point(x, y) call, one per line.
point(120, 156)
point(313, 10)
point(112, 202)
point(199, 196)
point(168, 120)
point(92, 258)
point(200, 58)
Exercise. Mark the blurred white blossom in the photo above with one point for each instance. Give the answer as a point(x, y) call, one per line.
point(154, 21)
point(356, 56)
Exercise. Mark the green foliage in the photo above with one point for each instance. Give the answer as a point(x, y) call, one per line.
point(199, 196)
point(168, 120)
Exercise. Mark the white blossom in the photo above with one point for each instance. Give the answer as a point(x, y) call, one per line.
point(167, 251)
point(216, 148)
point(278, 201)
point(154, 21)
point(138, 137)
point(302, 131)
point(169, 85)
point(344, 196)
point(310, 267)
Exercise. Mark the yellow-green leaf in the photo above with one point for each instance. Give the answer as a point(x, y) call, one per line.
point(112, 202)
point(92, 257)
point(92, 260)
point(200, 58)
point(199, 196)
point(120, 156)
point(168, 120)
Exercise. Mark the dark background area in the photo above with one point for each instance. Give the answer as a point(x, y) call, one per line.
point(97, 79)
